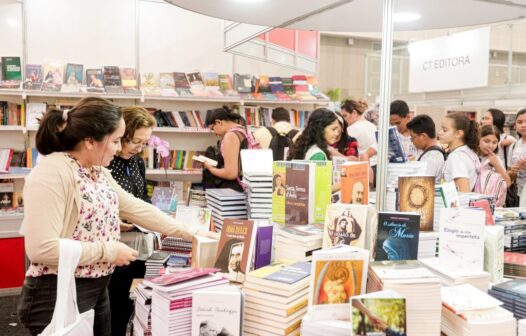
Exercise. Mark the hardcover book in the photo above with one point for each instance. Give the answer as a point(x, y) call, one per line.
point(236, 245)
point(94, 81)
point(461, 240)
point(217, 311)
point(417, 194)
point(33, 80)
point(338, 274)
point(355, 183)
point(396, 152)
point(211, 82)
point(112, 79)
point(53, 77)
point(377, 312)
point(397, 237)
point(345, 224)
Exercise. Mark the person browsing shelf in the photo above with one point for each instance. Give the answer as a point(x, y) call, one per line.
point(69, 195)
point(497, 118)
point(423, 135)
point(234, 137)
point(322, 130)
point(281, 126)
point(128, 169)
point(399, 116)
point(462, 165)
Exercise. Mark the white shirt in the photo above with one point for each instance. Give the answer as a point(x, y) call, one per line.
point(501, 150)
point(365, 133)
point(410, 151)
point(519, 151)
point(462, 163)
point(435, 163)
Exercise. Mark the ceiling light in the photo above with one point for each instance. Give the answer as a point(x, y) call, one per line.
point(405, 17)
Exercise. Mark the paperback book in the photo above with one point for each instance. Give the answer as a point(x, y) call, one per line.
point(73, 78)
point(217, 311)
point(379, 313)
point(417, 194)
point(33, 77)
point(345, 224)
point(112, 79)
point(355, 183)
point(94, 80)
point(398, 236)
point(11, 75)
point(53, 77)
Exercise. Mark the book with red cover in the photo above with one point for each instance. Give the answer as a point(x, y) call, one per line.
point(170, 279)
point(484, 205)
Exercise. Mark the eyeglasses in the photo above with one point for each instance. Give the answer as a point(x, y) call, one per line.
point(138, 143)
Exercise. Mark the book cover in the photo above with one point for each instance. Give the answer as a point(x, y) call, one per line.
point(11, 69)
point(182, 86)
point(149, 83)
point(242, 83)
point(355, 183)
point(34, 112)
point(197, 86)
point(484, 205)
point(322, 189)
point(397, 237)
point(449, 193)
point(112, 79)
point(299, 194)
point(345, 224)
point(234, 256)
point(494, 252)
point(162, 197)
point(396, 152)
point(193, 217)
point(94, 81)
point(417, 194)
point(6, 200)
point(129, 81)
point(379, 313)
point(338, 274)
point(33, 77)
point(182, 276)
point(279, 170)
point(226, 86)
point(74, 74)
point(53, 77)
point(263, 250)
point(461, 240)
point(211, 80)
point(167, 83)
point(217, 311)
point(282, 274)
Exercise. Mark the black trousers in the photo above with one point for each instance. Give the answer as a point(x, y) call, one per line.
point(37, 302)
point(119, 293)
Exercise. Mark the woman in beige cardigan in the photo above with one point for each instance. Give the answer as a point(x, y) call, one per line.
point(69, 195)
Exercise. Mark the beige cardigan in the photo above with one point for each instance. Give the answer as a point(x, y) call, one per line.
point(51, 201)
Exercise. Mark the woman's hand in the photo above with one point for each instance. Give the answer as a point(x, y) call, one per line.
point(206, 165)
point(333, 151)
point(125, 255)
point(125, 227)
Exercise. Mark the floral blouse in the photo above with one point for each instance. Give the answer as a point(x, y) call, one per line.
point(98, 221)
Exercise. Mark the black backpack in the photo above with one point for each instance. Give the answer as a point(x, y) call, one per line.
point(432, 148)
point(280, 141)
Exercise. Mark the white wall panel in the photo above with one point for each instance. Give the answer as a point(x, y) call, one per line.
point(10, 28)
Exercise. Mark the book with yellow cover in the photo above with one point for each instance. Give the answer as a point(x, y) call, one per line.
point(355, 183)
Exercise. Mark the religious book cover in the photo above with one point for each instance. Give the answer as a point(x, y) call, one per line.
point(375, 313)
point(397, 237)
point(236, 245)
point(279, 170)
point(355, 183)
point(417, 194)
point(337, 274)
point(33, 77)
point(299, 193)
point(345, 224)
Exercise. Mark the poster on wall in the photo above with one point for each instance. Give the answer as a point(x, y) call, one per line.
point(452, 62)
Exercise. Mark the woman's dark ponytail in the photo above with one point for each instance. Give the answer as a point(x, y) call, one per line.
point(472, 136)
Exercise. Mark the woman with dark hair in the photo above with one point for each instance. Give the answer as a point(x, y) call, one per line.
point(497, 118)
point(278, 187)
point(346, 146)
point(69, 195)
point(322, 130)
point(461, 135)
point(517, 170)
point(234, 137)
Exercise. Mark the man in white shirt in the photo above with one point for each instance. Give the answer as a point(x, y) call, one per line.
point(281, 125)
point(423, 136)
point(399, 116)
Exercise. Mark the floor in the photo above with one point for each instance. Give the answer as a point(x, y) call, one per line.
point(8, 320)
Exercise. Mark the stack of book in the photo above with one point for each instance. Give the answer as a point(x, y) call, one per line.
point(172, 298)
point(394, 171)
point(467, 310)
point(509, 214)
point(494, 252)
point(196, 197)
point(513, 294)
point(419, 286)
point(276, 298)
point(514, 264)
point(298, 242)
point(480, 280)
point(226, 203)
point(312, 327)
point(259, 195)
point(142, 321)
point(439, 204)
point(428, 245)
point(514, 235)
point(155, 263)
point(177, 246)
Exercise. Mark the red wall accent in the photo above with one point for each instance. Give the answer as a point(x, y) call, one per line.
point(282, 37)
point(12, 262)
point(308, 43)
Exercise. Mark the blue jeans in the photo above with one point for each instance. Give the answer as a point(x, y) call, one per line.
point(37, 302)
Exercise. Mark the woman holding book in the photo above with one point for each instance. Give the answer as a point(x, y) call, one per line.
point(234, 137)
point(129, 171)
point(69, 195)
point(461, 136)
point(323, 130)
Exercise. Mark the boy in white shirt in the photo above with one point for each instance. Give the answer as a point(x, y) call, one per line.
point(399, 116)
point(423, 136)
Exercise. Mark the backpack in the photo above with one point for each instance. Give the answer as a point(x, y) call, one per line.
point(490, 183)
point(432, 148)
point(280, 141)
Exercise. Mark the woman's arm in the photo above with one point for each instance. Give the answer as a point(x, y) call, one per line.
point(499, 168)
point(507, 142)
point(462, 184)
point(230, 146)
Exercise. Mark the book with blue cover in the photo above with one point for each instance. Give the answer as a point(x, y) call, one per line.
point(396, 152)
point(397, 237)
